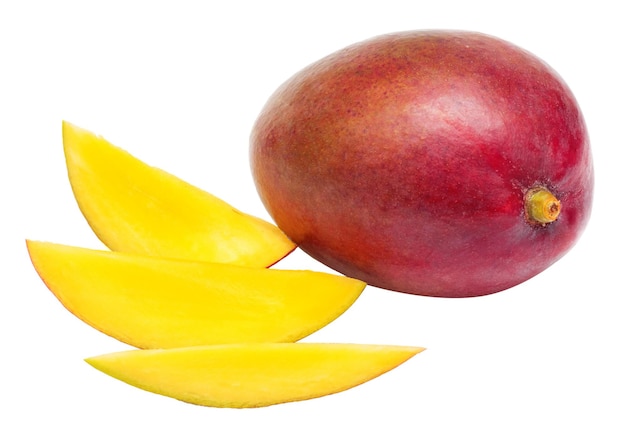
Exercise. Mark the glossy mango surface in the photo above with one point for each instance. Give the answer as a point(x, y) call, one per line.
point(159, 303)
point(252, 375)
point(136, 208)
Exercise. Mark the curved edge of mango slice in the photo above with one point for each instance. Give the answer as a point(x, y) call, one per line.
point(252, 375)
point(137, 208)
point(152, 302)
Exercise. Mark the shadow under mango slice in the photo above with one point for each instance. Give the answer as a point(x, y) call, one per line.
point(152, 302)
point(136, 208)
point(252, 375)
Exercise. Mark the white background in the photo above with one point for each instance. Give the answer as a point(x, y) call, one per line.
point(179, 85)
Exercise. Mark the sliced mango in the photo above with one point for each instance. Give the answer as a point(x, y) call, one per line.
point(136, 208)
point(162, 303)
point(252, 375)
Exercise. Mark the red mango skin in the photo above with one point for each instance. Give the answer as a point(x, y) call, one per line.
point(404, 160)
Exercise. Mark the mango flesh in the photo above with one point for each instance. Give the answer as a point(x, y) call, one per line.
point(136, 208)
point(252, 375)
point(405, 161)
point(158, 303)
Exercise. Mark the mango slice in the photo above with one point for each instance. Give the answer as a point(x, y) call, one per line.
point(252, 375)
point(136, 208)
point(152, 302)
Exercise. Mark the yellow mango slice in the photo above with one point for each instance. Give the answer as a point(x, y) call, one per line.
point(252, 375)
point(152, 302)
point(136, 208)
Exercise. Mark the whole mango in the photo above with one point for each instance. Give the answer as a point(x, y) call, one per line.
point(442, 163)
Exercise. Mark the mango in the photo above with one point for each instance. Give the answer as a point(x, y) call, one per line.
point(152, 302)
point(252, 375)
point(440, 163)
point(136, 208)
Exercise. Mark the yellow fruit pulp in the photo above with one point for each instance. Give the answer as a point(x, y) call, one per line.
point(252, 375)
point(159, 303)
point(136, 208)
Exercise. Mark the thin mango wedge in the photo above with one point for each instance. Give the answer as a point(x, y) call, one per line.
point(160, 303)
point(136, 208)
point(252, 375)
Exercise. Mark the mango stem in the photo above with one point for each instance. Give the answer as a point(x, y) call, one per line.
point(542, 207)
